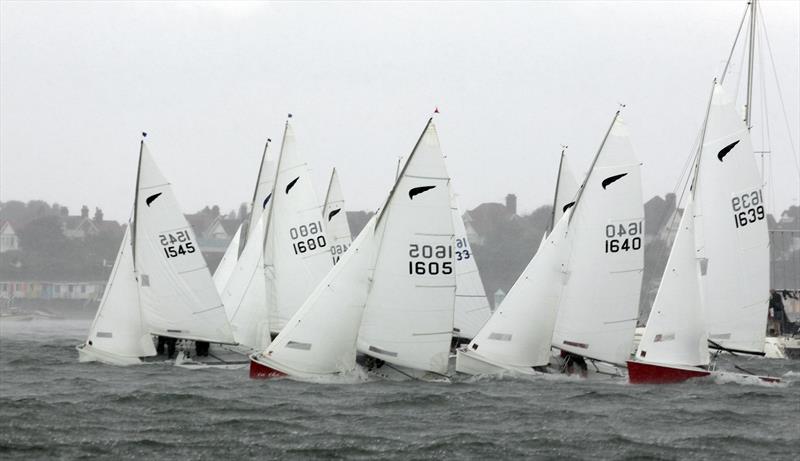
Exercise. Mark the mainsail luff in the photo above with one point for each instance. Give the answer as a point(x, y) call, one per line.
point(228, 262)
point(335, 216)
point(566, 189)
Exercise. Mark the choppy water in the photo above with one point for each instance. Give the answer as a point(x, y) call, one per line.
point(53, 407)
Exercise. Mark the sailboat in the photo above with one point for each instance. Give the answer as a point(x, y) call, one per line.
point(716, 279)
point(599, 307)
point(472, 308)
point(585, 274)
point(334, 213)
point(160, 284)
point(225, 267)
point(392, 293)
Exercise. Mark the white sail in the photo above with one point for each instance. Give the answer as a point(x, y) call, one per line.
point(177, 294)
point(245, 296)
point(408, 320)
point(566, 189)
point(117, 330)
point(676, 332)
point(334, 214)
point(321, 336)
point(471, 305)
point(731, 231)
point(518, 334)
point(228, 262)
point(297, 252)
point(600, 304)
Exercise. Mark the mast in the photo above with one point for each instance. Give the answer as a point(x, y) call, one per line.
point(275, 183)
point(748, 110)
point(328, 193)
point(258, 179)
point(696, 167)
point(591, 168)
point(555, 193)
point(136, 202)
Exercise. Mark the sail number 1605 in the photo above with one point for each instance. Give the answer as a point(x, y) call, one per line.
point(430, 259)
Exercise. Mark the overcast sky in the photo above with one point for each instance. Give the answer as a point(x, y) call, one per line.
point(210, 82)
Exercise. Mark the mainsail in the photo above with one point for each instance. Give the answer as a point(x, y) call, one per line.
point(731, 231)
point(118, 329)
point(408, 320)
point(600, 304)
point(471, 305)
point(177, 295)
point(336, 218)
point(296, 253)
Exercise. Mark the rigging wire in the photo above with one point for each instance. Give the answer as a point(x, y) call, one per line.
point(733, 47)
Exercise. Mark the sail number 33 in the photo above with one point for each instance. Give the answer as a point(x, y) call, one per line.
point(747, 208)
point(177, 244)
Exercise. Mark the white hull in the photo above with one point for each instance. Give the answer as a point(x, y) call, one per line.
point(471, 363)
point(774, 348)
point(87, 353)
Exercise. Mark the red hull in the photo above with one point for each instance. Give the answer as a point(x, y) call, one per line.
point(261, 371)
point(648, 373)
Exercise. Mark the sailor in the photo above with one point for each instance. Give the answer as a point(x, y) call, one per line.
point(777, 312)
point(162, 342)
point(571, 360)
point(201, 348)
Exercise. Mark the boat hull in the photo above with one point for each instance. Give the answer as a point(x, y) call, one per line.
point(470, 363)
point(259, 369)
point(651, 373)
point(87, 353)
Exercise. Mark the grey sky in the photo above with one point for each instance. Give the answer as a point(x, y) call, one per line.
point(210, 81)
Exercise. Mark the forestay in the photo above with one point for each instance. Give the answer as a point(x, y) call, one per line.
point(117, 328)
point(297, 252)
point(408, 320)
point(245, 296)
point(731, 231)
point(599, 306)
point(676, 332)
point(177, 294)
point(334, 214)
point(471, 306)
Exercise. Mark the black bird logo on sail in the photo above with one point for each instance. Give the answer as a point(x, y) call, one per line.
point(266, 200)
point(418, 190)
point(724, 151)
point(567, 207)
point(333, 213)
point(152, 198)
point(291, 184)
point(612, 179)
